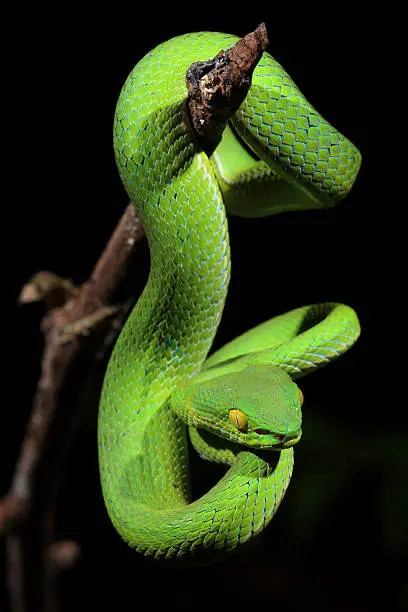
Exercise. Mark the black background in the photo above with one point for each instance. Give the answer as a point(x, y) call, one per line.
point(66, 71)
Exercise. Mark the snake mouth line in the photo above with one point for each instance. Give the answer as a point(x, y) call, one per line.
point(266, 444)
point(284, 440)
point(288, 441)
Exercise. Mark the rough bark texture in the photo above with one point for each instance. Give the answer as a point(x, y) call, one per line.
point(217, 87)
point(79, 329)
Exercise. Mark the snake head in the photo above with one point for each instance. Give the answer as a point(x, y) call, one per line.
point(258, 407)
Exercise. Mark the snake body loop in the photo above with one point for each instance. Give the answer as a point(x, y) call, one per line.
point(294, 160)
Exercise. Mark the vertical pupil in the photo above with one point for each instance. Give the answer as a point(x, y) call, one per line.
point(238, 419)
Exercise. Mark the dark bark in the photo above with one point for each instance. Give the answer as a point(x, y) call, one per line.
point(217, 87)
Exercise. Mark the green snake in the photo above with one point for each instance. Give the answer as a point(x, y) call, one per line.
point(241, 406)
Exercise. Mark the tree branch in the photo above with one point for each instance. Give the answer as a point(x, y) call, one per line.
point(217, 87)
point(64, 328)
point(77, 336)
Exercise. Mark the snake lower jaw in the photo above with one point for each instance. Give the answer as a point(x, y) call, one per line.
point(280, 442)
point(288, 442)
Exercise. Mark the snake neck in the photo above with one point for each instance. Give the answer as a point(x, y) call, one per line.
point(187, 232)
point(170, 331)
point(181, 306)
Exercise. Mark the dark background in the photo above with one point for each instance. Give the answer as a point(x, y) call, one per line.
point(339, 540)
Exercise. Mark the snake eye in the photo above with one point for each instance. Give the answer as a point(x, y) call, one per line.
point(238, 419)
point(301, 396)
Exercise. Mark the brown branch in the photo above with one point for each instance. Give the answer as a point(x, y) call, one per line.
point(84, 325)
point(217, 87)
point(63, 555)
point(64, 327)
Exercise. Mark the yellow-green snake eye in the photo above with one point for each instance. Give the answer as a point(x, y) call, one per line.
point(301, 396)
point(239, 419)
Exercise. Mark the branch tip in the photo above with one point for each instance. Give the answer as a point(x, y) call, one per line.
point(217, 87)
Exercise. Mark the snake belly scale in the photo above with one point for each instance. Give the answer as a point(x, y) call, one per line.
point(158, 381)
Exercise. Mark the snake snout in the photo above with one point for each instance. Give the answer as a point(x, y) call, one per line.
point(287, 441)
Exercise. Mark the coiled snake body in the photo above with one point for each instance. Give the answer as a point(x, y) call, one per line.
point(241, 404)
